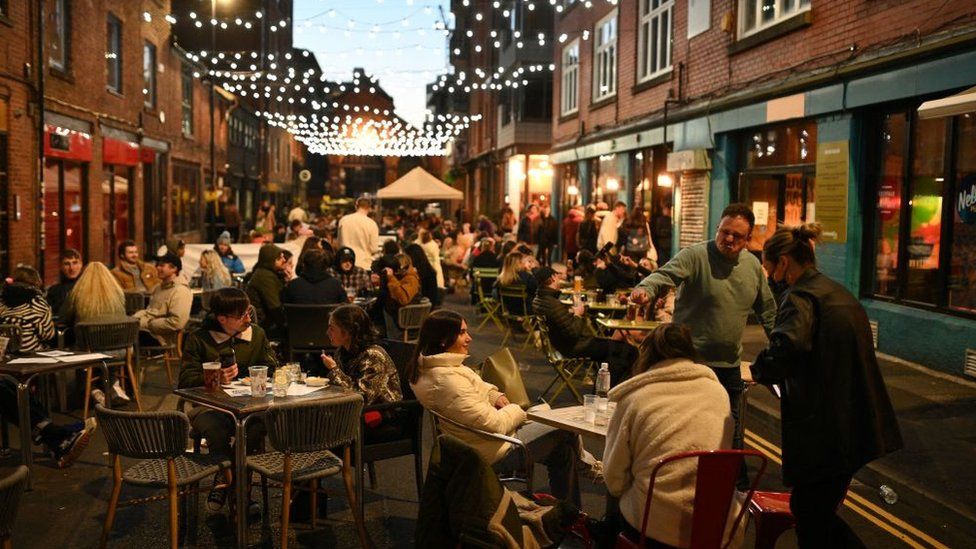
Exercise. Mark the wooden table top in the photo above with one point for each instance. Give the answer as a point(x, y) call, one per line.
point(571, 419)
point(621, 324)
point(29, 369)
point(246, 405)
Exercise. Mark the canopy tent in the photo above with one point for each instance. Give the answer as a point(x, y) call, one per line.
point(418, 184)
point(960, 103)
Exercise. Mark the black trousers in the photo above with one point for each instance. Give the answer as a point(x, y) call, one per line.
point(8, 405)
point(619, 356)
point(218, 429)
point(814, 506)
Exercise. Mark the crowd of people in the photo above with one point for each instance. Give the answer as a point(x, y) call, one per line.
point(678, 388)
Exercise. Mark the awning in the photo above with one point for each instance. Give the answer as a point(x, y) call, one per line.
point(960, 103)
point(418, 184)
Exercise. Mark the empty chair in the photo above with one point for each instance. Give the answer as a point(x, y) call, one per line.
point(110, 337)
point(307, 325)
point(410, 317)
point(567, 369)
point(159, 440)
point(303, 435)
point(11, 488)
point(502, 370)
point(516, 311)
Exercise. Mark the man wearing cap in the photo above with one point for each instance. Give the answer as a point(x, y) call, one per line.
point(176, 246)
point(264, 290)
point(359, 232)
point(169, 304)
point(568, 330)
point(349, 274)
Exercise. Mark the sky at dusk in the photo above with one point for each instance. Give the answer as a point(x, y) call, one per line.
point(394, 40)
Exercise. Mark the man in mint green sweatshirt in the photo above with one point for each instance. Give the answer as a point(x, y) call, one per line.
point(718, 284)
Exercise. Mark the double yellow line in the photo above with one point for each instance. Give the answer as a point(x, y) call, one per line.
point(911, 536)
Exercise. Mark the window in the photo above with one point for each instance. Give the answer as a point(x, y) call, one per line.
point(924, 222)
point(186, 99)
point(654, 36)
point(57, 35)
point(185, 197)
point(113, 54)
point(569, 94)
point(756, 15)
point(149, 75)
point(64, 186)
point(116, 209)
point(605, 58)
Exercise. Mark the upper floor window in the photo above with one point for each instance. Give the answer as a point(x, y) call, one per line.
point(58, 35)
point(113, 54)
point(4, 10)
point(605, 57)
point(186, 98)
point(654, 38)
point(569, 93)
point(149, 75)
point(756, 15)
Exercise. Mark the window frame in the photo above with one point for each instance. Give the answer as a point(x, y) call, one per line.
point(785, 9)
point(62, 8)
point(567, 71)
point(186, 100)
point(602, 51)
point(149, 79)
point(113, 67)
point(648, 50)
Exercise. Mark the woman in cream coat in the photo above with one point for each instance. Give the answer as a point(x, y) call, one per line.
point(443, 384)
point(671, 405)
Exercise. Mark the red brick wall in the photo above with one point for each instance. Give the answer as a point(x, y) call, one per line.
point(711, 72)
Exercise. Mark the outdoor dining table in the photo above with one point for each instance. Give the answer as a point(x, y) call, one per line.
point(611, 306)
point(25, 368)
point(242, 408)
point(570, 419)
point(639, 325)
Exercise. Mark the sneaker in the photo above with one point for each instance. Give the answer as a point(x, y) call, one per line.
point(118, 392)
point(218, 494)
point(74, 444)
point(98, 396)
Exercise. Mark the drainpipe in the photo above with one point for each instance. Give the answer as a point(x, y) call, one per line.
point(39, 180)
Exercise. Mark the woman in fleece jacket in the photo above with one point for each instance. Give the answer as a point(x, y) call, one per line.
point(671, 405)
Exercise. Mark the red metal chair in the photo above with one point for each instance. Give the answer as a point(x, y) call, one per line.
point(717, 473)
point(771, 512)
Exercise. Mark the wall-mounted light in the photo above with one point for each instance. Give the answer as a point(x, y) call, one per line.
point(572, 190)
point(664, 180)
point(613, 184)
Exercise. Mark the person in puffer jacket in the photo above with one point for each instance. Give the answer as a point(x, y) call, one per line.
point(444, 385)
point(671, 405)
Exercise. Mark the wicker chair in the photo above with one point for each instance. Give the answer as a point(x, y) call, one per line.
point(302, 434)
point(409, 319)
point(11, 488)
point(523, 476)
point(11, 332)
point(110, 337)
point(159, 440)
point(135, 301)
point(171, 352)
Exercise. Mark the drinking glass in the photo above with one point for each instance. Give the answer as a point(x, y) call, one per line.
point(259, 380)
point(211, 376)
point(589, 408)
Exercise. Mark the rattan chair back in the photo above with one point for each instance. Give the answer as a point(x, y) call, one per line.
point(295, 427)
point(107, 335)
point(11, 489)
point(11, 332)
point(144, 435)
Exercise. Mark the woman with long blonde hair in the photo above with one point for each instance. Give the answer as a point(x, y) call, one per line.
point(515, 273)
point(96, 296)
point(511, 268)
point(213, 273)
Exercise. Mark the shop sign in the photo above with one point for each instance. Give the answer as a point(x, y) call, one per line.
point(966, 201)
point(69, 144)
point(832, 187)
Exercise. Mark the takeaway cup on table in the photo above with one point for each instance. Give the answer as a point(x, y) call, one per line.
point(211, 376)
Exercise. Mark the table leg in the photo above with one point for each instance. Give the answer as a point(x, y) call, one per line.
point(25, 427)
point(241, 480)
point(106, 384)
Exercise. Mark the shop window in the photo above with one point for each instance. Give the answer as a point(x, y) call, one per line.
point(536, 101)
point(756, 15)
point(58, 35)
point(654, 192)
point(116, 209)
point(605, 58)
point(185, 198)
point(925, 212)
point(569, 92)
point(113, 54)
point(63, 212)
point(654, 38)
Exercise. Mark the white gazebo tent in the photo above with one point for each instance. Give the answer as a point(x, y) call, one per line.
point(418, 184)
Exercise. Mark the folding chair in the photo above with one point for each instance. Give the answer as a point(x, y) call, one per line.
point(518, 295)
point(567, 369)
point(716, 477)
point(487, 303)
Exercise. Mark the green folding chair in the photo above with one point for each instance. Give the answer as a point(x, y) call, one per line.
point(517, 293)
point(567, 369)
point(487, 303)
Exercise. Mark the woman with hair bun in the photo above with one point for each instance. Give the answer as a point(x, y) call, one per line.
point(835, 410)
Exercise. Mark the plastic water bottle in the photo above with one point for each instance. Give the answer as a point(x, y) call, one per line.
point(603, 380)
point(888, 494)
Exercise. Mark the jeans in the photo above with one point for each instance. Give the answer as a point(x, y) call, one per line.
point(814, 506)
point(731, 379)
point(218, 429)
point(558, 450)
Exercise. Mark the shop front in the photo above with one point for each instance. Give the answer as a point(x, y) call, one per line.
point(67, 157)
point(529, 181)
point(153, 156)
point(120, 157)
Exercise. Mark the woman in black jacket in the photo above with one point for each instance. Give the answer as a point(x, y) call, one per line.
point(835, 410)
point(588, 230)
point(428, 277)
point(315, 286)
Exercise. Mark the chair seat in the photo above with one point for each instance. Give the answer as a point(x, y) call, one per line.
point(769, 503)
point(304, 465)
point(190, 468)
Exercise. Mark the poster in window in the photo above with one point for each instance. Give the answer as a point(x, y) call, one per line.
point(832, 180)
point(966, 201)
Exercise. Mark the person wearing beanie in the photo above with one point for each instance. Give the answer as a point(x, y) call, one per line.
point(264, 290)
point(349, 274)
point(169, 305)
point(231, 261)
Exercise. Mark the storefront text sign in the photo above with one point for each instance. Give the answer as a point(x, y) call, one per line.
point(831, 193)
point(966, 201)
